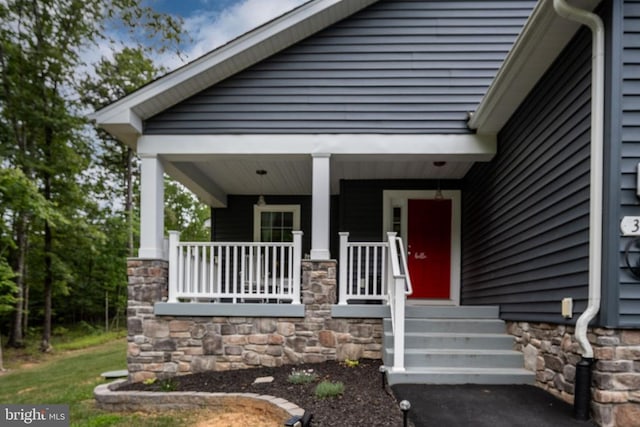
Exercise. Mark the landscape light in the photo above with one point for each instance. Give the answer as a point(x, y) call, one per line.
point(383, 370)
point(405, 405)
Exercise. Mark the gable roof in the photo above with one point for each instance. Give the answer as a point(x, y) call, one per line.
point(123, 118)
point(543, 37)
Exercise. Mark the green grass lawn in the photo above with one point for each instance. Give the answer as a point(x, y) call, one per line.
point(69, 378)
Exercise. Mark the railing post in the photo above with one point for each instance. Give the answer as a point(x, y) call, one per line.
point(398, 333)
point(174, 239)
point(391, 236)
point(343, 265)
point(297, 259)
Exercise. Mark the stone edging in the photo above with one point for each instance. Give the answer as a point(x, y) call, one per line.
point(109, 398)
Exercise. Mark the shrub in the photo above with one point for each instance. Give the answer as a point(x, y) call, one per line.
point(328, 389)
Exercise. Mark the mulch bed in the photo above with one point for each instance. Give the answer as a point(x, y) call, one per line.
point(363, 403)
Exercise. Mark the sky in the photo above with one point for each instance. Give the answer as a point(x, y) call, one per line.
point(212, 23)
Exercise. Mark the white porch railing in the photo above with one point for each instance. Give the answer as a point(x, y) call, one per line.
point(234, 272)
point(363, 270)
point(400, 287)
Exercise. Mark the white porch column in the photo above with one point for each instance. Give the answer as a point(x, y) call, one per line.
point(151, 208)
point(320, 204)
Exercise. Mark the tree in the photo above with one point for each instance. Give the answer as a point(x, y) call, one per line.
point(17, 193)
point(42, 128)
point(7, 290)
point(184, 212)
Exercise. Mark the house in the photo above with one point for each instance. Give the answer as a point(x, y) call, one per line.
point(491, 142)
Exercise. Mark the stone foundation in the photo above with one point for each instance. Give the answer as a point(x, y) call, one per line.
point(552, 352)
point(163, 346)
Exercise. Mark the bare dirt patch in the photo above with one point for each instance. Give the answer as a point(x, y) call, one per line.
point(248, 417)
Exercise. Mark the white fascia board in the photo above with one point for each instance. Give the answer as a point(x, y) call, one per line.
point(189, 147)
point(125, 125)
point(231, 58)
point(541, 40)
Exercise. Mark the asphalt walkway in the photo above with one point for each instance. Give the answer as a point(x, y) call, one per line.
point(485, 406)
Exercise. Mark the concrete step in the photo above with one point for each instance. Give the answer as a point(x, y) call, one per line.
point(462, 375)
point(449, 312)
point(453, 340)
point(459, 358)
point(455, 345)
point(470, 325)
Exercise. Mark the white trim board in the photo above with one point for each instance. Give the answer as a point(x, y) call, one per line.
point(465, 147)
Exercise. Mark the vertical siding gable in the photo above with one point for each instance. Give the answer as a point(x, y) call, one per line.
point(397, 67)
point(525, 214)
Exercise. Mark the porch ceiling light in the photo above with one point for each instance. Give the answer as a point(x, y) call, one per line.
point(439, 195)
point(261, 173)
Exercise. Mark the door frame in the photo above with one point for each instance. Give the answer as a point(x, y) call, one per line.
point(399, 198)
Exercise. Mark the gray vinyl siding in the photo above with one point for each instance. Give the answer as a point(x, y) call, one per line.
point(629, 291)
point(525, 214)
point(399, 66)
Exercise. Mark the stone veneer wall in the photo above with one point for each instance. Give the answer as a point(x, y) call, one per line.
point(552, 352)
point(163, 346)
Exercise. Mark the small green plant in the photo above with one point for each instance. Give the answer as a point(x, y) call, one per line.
point(328, 389)
point(149, 381)
point(351, 363)
point(302, 377)
point(168, 384)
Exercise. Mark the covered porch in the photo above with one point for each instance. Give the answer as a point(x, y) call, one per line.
point(296, 170)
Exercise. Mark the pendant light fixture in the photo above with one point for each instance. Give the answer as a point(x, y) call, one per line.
point(261, 173)
point(439, 195)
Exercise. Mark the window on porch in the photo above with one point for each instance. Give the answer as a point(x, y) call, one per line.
point(275, 223)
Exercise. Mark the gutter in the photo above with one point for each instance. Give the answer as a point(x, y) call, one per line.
point(582, 392)
point(596, 25)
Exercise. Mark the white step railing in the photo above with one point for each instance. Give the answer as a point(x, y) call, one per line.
point(363, 270)
point(234, 272)
point(400, 287)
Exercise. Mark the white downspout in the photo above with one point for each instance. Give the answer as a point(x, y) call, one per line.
point(596, 25)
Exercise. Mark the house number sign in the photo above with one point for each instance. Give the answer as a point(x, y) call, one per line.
point(630, 226)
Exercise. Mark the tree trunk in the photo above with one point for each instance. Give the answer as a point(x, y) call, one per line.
point(1, 357)
point(16, 337)
point(45, 344)
point(25, 306)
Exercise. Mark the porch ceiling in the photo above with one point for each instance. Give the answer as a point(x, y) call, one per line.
point(292, 174)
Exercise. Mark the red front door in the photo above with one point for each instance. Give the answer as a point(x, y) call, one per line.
point(429, 248)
